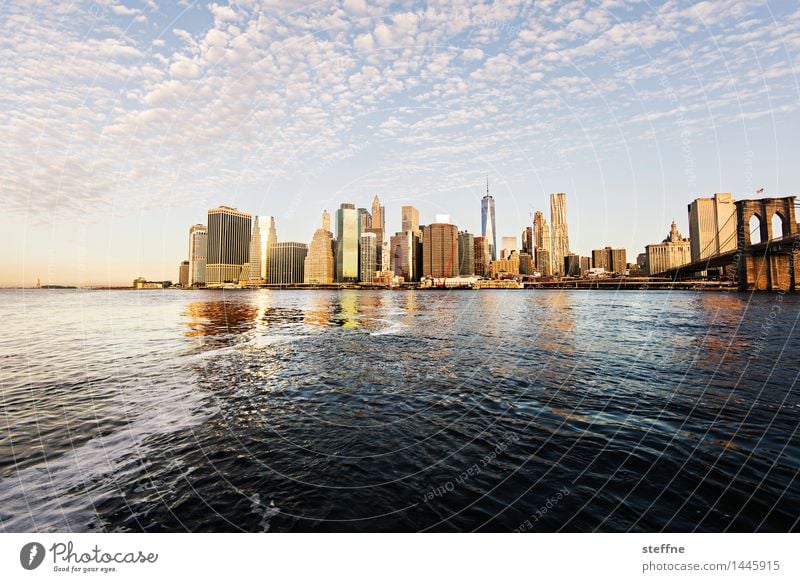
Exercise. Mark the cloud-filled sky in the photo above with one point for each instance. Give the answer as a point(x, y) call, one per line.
point(122, 122)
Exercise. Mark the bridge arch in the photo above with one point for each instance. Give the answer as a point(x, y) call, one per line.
point(753, 230)
point(777, 226)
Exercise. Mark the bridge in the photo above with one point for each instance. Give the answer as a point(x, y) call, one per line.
point(766, 265)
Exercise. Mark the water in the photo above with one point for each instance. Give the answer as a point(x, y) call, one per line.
point(398, 411)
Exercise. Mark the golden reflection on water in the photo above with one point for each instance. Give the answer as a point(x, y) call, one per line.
point(209, 318)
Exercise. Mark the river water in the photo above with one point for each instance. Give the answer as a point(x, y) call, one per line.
point(494, 410)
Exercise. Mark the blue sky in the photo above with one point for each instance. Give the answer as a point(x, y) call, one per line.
point(124, 121)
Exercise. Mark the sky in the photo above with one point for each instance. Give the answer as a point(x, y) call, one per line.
point(123, 122)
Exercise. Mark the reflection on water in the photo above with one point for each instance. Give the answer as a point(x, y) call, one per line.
point(656, 410)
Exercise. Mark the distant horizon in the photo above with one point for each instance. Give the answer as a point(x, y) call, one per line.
point(126, 121)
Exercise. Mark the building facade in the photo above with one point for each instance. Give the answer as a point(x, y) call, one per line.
point(559, 231)
point(409, 219)
point(612, 260)
point(369, 252)
point(542, 257)
point(287, 263)
point(183, 274)
point(672, 252)
point(320, 267)
point(348, 237)
point(406, 255)
point(264, 234)
point(466, 253)
point(198, 248)
point(229, 233)
point(712, 226)
point(440, 250)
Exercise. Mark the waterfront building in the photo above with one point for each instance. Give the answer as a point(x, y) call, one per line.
point(712, 226)
point(348, 237)
point(586, 264)
point(229, 232)
point(526, 266)
point(287, 263)
point(488, 228)
point(440, 249)
point(559, 231)
point(672, 252)
point(319, 267)
point(610, 260)
point(198, 247)
point(482, 257)
point(183, 274)
point(542, 245)
point(409, 219)
point(381, 238)
point(369, 251)
point(572, 265)
point(466, 253)
point(264, 234)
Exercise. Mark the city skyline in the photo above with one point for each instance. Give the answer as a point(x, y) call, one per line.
point(141, 120)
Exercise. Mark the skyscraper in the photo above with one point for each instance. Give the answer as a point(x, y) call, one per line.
point(183, 274)
point(348, 235)
point(543, 258)
point(365, 218)
point(378, 228)
point(263, 235)
point(440, 250)
point(560, 235)
point(287, 263)
point(319, 266)
point(482, 258)
point(367, 261)
point(198, 247)
point(409, 219)
point(527, 240)
point(712, 226)
point(406, 255)
point(466, 253)
point(488, 230)
point(612, 260)
point(378, 214)
point(228, 245)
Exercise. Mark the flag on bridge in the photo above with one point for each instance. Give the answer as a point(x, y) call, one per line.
point(760, 191)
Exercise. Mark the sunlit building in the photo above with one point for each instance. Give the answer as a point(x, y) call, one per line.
point(406, 255)
point(509, 244)
point(409, 219)
point(712, 226)
point(198, 247)
point(183, 274)
point(672, 252)
point(264, 234)
point(228, 245)
point(543, 257)
point(482, 257)
point(611, 260)
point(560, 235)
point(440, 250)
point(368, 251)
point(319, 267)
point(348, 237)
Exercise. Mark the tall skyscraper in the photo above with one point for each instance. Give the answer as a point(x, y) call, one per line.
point(365, 218)
point(264, 234)
point(440, 250)
point(488, 228)
point(712, 226)
point(409, 219)
point(673, 252)
point(348, 237)
point(466, 253)
point(368, 251)
point(198, 247)
point(406, 255)
point(319, 267)
point(228, 245)
point(560, 235)
point(287, 263)
point(527, 240)
point(378, 214)
point(543, 250)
